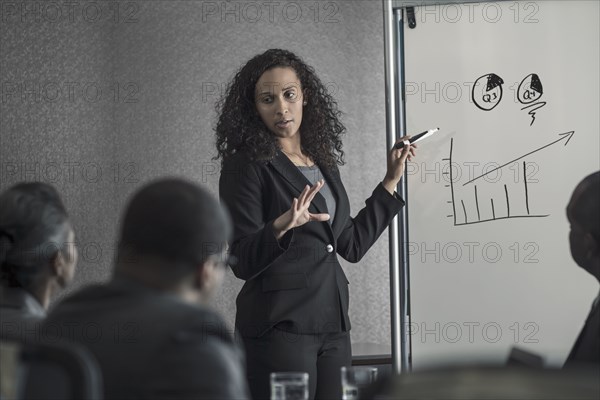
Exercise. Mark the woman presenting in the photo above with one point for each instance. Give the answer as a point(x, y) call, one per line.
point(279, 138)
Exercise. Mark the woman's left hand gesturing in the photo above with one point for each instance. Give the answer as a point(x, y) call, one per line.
point(395, 164)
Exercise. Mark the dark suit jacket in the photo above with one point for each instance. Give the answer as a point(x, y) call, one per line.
point(297, 280)
point(20, 315)
point(151, 345)
point(586, 349)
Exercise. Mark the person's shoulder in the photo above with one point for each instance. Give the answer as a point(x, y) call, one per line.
point(87, 293)
point(241, 168)
point(333, 170)
point(116, 295)
point(199, 323)
point(79, 302)
point(242, 159)
point(186, 321)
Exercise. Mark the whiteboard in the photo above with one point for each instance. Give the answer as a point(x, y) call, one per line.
point(514, 87)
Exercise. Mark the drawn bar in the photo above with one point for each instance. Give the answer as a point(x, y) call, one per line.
point(451, 181)
point(507, 202)
point(493, 212)
point(526, 193)
point(477, 204)
point(465, 211)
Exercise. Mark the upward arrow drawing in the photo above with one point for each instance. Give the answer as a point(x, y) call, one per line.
point(564, 136)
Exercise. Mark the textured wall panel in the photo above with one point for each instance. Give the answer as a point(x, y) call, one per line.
point(170, 61)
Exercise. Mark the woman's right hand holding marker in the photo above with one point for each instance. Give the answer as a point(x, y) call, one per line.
point(396, 161)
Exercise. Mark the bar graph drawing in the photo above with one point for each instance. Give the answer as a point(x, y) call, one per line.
point(460, 216)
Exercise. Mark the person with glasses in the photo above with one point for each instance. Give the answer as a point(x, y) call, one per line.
point(150, 326)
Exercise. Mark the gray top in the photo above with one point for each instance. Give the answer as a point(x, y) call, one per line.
point(313, 174)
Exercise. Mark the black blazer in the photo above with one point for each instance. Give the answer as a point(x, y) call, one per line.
point(587, 346)
point(297, 280)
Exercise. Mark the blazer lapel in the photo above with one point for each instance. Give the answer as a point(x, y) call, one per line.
point(292, 174)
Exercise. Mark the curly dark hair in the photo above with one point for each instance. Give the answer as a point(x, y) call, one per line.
point(239, 126)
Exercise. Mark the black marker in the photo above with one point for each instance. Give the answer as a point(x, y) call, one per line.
point(416, 138)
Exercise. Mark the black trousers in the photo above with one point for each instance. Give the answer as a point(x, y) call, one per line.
point(321, 355)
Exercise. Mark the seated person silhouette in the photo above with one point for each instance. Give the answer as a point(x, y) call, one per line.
point(583, 213)
point(37, 257)
point(149, 327)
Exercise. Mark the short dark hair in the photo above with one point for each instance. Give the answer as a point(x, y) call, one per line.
point(176, 221)
point(34, 226)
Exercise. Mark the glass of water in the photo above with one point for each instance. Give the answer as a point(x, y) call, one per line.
point(289, 386)
point(355, 380)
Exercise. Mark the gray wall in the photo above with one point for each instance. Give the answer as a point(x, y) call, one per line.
point(100, 97)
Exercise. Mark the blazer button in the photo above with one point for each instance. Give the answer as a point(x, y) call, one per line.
point(329, 248)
